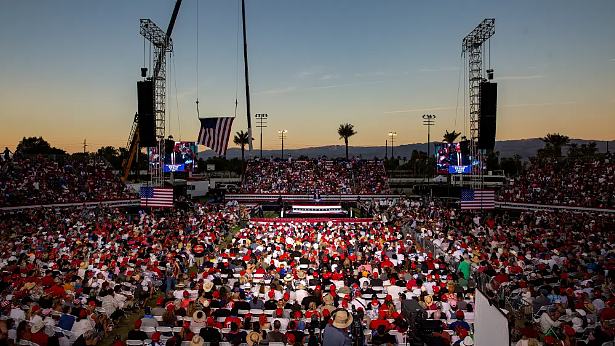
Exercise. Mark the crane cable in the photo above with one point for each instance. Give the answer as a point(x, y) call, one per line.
point(197, 61)
point(458, 87)
point(179, 124)
point(237, 56)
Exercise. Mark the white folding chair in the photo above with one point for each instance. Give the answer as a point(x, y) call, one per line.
point(148, 330)
point(134, 343)
point(165, 329)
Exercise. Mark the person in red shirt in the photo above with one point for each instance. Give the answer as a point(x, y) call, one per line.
point(380, 321)
point(38, 334)
point(608, 313)
point(48, 280)
point(502, 277)
point(231, 319)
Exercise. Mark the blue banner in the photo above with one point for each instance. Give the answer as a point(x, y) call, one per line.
point(459, 169)
point(175, 168)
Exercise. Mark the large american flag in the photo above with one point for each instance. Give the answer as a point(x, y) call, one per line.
point(215, 133)
point(156, 196)
point(477, 199)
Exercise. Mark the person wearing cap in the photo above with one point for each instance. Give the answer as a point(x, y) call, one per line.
point(459, 322)
point(293, 334)
point(335, 334)
point(158, 310)
point(185, 333)
point(210, 333)
point(541, 301)
point(196, 340)
point(148, 320)
point(380, 321)
point(137, 333)
point(38, 334)
point(82, 323)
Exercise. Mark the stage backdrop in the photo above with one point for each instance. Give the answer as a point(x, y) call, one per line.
point(490, 324)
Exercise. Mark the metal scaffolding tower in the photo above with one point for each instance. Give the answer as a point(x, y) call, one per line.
point(162, 45)
point(473, 50)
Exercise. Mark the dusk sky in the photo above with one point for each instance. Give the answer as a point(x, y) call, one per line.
point(68, 69)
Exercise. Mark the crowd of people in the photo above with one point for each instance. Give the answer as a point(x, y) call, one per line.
point(316, 176)
point(551, 273)
point(589, 183)
point(35, 180)
point(206, 275)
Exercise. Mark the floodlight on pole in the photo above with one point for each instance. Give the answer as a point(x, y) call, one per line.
point(392, 135)
point(282, 134)
point(261, 121)
point(428, 120)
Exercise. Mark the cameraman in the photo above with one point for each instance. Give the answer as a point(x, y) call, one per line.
point(335, 334)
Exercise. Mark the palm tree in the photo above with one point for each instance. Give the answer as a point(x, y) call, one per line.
point(556, 142)
point(589, 149)
point(451, 137)
point(345, 131)
point(241, 139)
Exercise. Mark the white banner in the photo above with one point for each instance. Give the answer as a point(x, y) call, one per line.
point(490, 324)
point(115, 203)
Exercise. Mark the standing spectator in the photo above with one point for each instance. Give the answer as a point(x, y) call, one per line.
point(335, 334)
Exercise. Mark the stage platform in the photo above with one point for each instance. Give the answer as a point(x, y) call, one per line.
point(270, 197)
point(311, 220)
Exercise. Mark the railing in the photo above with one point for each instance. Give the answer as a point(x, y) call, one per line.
point(481, 280)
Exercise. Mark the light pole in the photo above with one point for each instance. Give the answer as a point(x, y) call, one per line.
point(282, 137)
point(392, 136)
point(428, 120)
point(261, 121)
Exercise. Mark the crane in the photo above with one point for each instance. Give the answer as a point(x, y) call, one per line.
point(472, 49)
point(162, 45)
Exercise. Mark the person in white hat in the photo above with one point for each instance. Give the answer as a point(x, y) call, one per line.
point(467, 341)
point(335, 334)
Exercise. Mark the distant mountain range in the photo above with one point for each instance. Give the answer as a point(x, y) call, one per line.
point(524, 147)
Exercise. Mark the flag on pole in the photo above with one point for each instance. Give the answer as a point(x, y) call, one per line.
point(215, 133)
point(477, 199)
point(156, 196)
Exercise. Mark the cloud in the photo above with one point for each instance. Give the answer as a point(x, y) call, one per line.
point(181, 96)
point(612, 59)
point(276, 91)
point(291, 89)
point(528, 105)
point(537, 76)
point(373, 74)
point(505, 106)
point(329, 76)
point(309, 72)
point(420, 110)
point(448, 68)
point(546, 104)
point(340, 85)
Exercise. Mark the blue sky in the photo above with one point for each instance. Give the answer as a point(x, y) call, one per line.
point(68, 68)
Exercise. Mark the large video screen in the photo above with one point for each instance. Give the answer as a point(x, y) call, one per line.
point(449, 159)
point(183, 157)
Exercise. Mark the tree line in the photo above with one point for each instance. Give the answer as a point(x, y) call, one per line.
point(418, 164)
